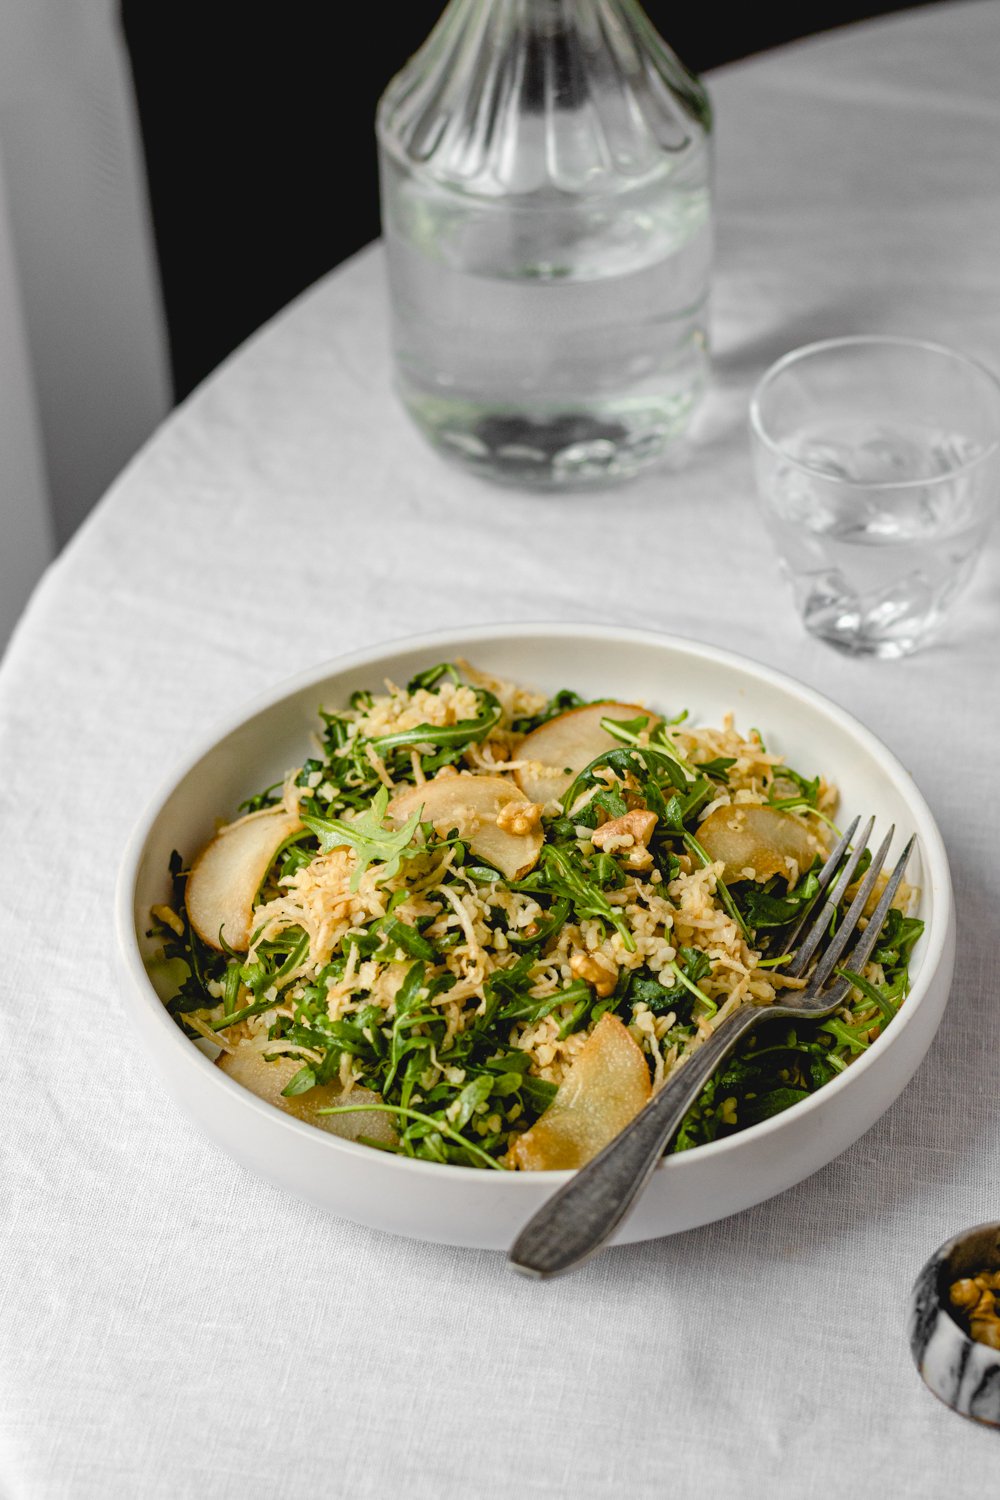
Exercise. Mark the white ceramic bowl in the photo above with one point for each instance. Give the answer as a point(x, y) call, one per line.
point(462, 1205)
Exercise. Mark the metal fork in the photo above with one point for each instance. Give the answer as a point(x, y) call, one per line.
point(578, 1219)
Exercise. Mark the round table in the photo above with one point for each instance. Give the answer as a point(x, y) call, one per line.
point(172, 1325)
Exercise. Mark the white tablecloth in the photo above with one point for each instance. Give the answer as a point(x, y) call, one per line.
point(172, 1326)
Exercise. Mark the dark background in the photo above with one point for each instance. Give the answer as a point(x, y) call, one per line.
point(258, 131)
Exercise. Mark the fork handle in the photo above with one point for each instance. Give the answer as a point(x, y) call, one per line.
point(577, 1220)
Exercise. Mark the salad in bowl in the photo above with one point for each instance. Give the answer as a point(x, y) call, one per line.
point(479, 925)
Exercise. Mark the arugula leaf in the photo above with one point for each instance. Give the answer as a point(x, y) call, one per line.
point(718, 767)
point(269, 797)
point(766, 906)
point(398, 934)
point(539, 1092)
point(679, 997)
point(682, 808)
point(432, 676)
point(607, 801)
point(648, 764)
point(896, 940)
point(530, 1007)
point(405, 1004)
point(511, 983)
point(300, 1083)
point(309, 769)
point(626, 730)
point(611, 802)
point(885, 1006)
point(474, 1094)
point(660, 998)
point(463, 732)
point(583, 1009)
point(687, 979)
point(231, 990)
point(564, 875)
point(241, 1015)
point(855, 1040)
point(697, 965)
point(553, 923)
point(368, 838)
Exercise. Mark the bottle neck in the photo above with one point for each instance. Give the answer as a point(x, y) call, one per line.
point(518, 96)
point(550, 19)
point(560, 44)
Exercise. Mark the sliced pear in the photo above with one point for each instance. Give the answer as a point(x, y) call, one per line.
point(761, 839)
point(250, 1069)
point(562, 747)
point(471, 804)
point(606, 1087)
point(226, 876)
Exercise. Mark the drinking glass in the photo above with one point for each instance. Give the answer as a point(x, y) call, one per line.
point(877, 462)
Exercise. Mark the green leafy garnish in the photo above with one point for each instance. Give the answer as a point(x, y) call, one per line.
point(365, 834)
point(564, 875)
point(768, 905)
point(300, 1083)
point(464, 732)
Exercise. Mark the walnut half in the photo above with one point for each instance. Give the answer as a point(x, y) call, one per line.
point(631, 834)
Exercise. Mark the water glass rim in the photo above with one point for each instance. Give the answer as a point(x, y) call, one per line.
point(900, 341)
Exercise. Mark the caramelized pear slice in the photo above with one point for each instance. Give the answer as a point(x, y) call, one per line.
point(758, 839)
point(562, 747)
point(249, 1068)
point(472, 804)
point(226, 876)
point(606, 1086)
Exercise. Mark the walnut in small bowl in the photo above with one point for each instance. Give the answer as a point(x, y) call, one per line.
point(955, 1323)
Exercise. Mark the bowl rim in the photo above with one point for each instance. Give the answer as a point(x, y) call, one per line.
point(932, 849)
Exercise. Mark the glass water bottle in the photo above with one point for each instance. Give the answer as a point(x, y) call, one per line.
point(546, 206)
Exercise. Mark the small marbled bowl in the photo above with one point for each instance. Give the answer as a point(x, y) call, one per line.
point(964, 1374)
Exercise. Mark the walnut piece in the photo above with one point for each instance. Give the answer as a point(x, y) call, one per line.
point(637, 826)
point(519, 817)
point(596, 970)
point(630, 834)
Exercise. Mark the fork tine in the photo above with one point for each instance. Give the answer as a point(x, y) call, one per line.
point(824, 878)
point(861, 952)
point(848, 926)
point(814, 936)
